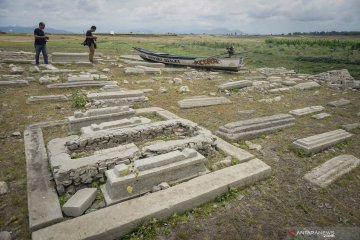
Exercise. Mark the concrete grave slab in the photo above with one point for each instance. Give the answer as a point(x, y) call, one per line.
point(128, 215)
point(307, 110)
point(235, 85)
point(14, 83)
point(202, 101)
point(251, 128)
point(319, 142)
point(170, 167)
point(331, 170)
point(339, 103)
point(307, 85)
point(321, 116)
point(59, 57)
point(47, 98)
point(351, 126)
point(129, 122)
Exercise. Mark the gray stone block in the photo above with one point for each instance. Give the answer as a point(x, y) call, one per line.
point(79, 202)
point(331, 170)
point(307, 110)
point(43, 204)
point(235, 85)
point(202, 101)
point(81, 84)
point(251, 128)
point(319, 142)
point(128, 215)
point(80, 78)
point(47, 98)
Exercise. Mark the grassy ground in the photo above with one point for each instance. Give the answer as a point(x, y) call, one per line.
point(264, 211)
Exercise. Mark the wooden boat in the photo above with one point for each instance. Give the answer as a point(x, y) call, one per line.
point(214, 63)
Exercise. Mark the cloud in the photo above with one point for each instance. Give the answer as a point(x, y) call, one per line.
point(183, 15)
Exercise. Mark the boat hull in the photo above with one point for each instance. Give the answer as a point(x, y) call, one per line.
point(213, 63)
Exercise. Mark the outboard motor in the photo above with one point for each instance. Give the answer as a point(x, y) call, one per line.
point(230, 50)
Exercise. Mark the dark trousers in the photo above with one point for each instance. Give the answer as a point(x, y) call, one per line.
point(40, 48)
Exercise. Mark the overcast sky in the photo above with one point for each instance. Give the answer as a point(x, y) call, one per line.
point(185, 16)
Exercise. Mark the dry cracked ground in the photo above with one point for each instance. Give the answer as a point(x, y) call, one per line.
point(266, 210)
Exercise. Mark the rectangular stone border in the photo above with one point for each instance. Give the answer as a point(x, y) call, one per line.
point(119, 219)
point(34, 176)
point(43, 202)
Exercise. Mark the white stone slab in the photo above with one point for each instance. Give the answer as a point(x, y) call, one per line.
point(319, 142)
point(307, 110)
point(331, 170)
point(202, 101)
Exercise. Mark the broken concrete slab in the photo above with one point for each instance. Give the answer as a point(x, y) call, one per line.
point(307, 110)
point(43, 203)
point(47, 98)
point(128, 215)
point(235, 85)
point(321, 116)
point(202, 101)
point(319, 142)
point(82, 84)
point(251, 128)
point(331, 170)
point(79, 202)
point(307, 85)
point(59, 57)
point(339, 103)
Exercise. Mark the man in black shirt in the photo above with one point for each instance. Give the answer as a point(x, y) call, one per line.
point(90, 41)
point(40, 43)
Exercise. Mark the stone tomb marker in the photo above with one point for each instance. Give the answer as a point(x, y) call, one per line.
point(307, 110)
point(202, 101)
point(318, 143)
point(251, 128)
point(331, 170)
point(173, 166)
